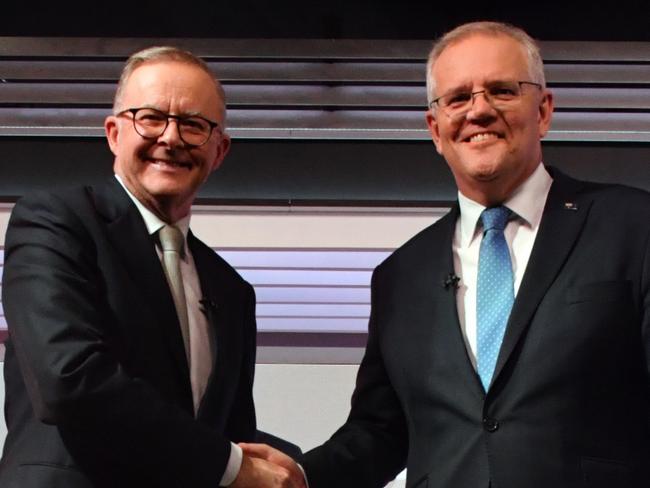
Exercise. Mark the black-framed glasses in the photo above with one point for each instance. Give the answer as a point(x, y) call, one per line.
point(151, 123)
point(501, 95)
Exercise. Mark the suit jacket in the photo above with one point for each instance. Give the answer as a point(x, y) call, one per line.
point(97, 384)
point(569, 403)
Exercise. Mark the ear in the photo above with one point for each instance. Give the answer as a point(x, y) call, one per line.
point(111, 128)
point(434, 129)
point(545, 113)
point(222, 150)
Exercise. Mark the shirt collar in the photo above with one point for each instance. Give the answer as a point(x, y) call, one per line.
point(151, 220)
point(527, 202)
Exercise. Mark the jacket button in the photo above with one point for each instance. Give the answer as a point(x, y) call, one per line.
point(491, 425)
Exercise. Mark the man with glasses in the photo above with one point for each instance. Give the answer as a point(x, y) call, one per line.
point(508, 343)
point(131, 346)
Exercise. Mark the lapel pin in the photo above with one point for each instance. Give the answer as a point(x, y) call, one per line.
point(570, 206)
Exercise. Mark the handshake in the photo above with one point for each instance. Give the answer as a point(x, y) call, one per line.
point(265, 467)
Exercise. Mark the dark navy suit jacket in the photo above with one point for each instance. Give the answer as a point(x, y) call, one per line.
point(569, 405)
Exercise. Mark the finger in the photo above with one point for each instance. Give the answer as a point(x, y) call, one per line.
point(256, 450)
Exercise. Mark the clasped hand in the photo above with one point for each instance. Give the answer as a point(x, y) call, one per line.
point(265, 467)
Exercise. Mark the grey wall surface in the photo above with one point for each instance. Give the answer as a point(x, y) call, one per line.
point(313, 121)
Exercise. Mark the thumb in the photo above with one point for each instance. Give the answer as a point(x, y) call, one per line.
point(256, 450)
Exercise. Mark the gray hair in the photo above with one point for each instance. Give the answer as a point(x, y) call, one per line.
point(165, 53)
point(535, 63)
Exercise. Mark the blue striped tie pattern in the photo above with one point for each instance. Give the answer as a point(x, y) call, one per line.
point(494, 291)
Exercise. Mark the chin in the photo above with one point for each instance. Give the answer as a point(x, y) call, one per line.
point(486, 172)
point(163, 190)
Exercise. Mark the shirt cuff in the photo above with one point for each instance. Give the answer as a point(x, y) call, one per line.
point(233, 466)
point(304, 475)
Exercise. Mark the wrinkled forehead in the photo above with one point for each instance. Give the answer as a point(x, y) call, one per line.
point(480, 58)
point(173, 86)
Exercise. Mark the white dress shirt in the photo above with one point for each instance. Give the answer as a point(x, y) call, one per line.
point(527, 203)
point(201, 339)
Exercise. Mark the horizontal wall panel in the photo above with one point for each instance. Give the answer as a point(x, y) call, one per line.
point(602, 99)
point(306, 355)
point(227, 71)
point(307, 277)
point(273, 49)
point(312, 89)
point(342, 173)
point(323, 325)
point(605, 52)
point(277, 172)
point(267, 49)
point(596, 74)
point(310, 310)
point(304, 290)
point(312, 339)
point(327, 125)
point(237, 71)
point(297, 96)
point(319, 300)
point(313, 294)
point(57, 94)
point(278, 259)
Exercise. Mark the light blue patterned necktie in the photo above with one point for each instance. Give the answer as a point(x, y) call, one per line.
point(494, 291)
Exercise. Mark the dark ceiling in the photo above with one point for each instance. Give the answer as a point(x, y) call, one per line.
point(623, 20)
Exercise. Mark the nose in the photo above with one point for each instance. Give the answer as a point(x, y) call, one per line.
point(171, 136)
point(481, 106)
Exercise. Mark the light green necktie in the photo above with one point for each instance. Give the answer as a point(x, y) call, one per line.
point(172, 243)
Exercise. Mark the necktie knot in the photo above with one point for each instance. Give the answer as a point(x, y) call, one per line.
point(495, 218)
point(171, 239)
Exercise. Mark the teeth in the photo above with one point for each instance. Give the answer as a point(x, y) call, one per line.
point(482, 137)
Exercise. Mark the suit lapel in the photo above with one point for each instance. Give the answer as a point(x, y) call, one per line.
point(213, 302)
point(225, 338)
point(446, 311)
point(562, 221)
point(128, 235)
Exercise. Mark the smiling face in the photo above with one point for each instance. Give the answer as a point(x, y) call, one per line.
point(490, 152)
point(164, 173)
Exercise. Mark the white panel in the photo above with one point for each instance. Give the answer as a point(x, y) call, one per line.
point(305, 404)
point(267, 294)
point(304, 277)
point(5, 212)
point(303, 258)
point(312, 325)
point(319, 310)
point(295, 228)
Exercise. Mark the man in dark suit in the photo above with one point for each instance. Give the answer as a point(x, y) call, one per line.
point(529, 371)
point(131, 346)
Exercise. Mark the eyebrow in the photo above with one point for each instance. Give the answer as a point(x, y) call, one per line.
point(193, 113)
point(488, 83)
point(458, 88)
